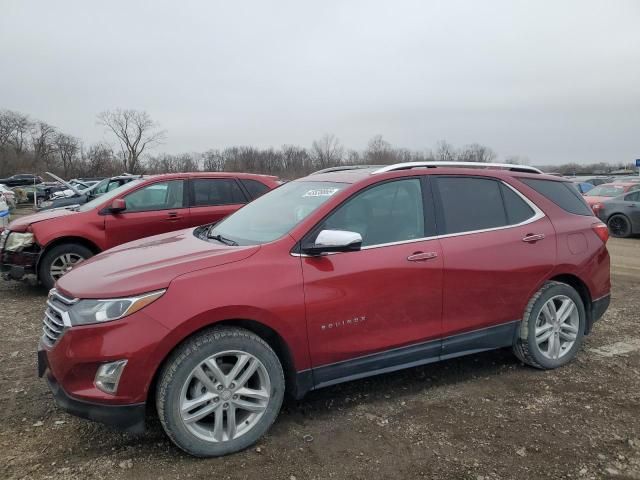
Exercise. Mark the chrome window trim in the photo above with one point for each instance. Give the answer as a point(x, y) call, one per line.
point(537, 215)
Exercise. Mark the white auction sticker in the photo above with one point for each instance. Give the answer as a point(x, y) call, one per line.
point(321, 192)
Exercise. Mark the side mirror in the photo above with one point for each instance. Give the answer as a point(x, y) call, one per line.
point(118, 205)
point(329, 241)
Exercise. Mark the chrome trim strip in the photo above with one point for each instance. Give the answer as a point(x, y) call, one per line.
point(53, 320)
point(408, 165)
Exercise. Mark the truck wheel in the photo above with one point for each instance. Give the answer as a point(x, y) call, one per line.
point(552, 328)
point(59, 260)
point(220, 392)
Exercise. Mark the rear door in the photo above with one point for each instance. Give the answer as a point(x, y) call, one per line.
point(497, 247)
point(212, 199)
point(380, 300)
point(152, 209)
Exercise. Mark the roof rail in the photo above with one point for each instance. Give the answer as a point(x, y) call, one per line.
point(343, 168)
point(505, 166)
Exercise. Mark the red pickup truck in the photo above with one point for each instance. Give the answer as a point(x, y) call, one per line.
point(49, 244)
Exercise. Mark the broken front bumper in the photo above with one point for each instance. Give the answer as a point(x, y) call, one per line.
point(16, 265)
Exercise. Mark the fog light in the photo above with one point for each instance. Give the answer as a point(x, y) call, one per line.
point(108, 376)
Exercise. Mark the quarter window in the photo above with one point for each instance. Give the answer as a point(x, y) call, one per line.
point(216, 191)
point(386, 213)
point(157, 196)
point(562, 194)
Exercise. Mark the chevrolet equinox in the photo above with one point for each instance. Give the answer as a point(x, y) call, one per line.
point(346, 273)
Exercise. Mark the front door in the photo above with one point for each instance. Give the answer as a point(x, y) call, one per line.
point(386, 296)
point(152, 209)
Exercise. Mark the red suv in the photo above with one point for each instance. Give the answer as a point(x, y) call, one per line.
point(50, 243)
point(333, 277)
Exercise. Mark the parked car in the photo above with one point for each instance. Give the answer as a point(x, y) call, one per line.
point(9, 196)
point(595, 181)
point(583, 187)
point(326, 279)
point(621, 214)
point(603, 193)
point(78, 196)
point(21, 179)
point(49, 243)
point(26, 194)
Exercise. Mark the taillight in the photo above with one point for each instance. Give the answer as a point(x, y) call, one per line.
point(601, 230)
point(595, 207)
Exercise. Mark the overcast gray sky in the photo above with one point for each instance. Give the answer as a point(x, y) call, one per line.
point(552, 80)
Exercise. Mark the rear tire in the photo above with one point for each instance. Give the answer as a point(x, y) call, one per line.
point(59, 260)
point(619, 226)
point(219, 392)
point(552, 328)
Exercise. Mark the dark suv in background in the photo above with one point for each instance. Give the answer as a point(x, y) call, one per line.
point(20, 180)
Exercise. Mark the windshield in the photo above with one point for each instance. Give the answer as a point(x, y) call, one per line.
point(108, 196)
point(606, 191)
point(275, 213)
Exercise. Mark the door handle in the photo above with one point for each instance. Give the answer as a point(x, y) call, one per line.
point(533, 237)
point(172, 216)
point(422, 256)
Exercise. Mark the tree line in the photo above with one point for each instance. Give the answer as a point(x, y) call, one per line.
point(34, 146)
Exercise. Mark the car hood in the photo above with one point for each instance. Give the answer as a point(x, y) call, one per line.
point(147, 265)
point(21, 224)
point(591, 200)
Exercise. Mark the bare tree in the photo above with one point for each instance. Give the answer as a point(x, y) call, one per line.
point(476, 153)
point(43, 140)
point(135, 131)
point(445, 152)
point(67, 148)
point(379, 152)
point(327, 151)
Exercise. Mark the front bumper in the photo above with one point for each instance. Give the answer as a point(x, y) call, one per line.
point(130, 418)
point(16, 265)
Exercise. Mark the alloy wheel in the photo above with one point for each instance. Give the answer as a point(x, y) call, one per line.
point(618, 226)
point(557, 327)
point(225, 396)
point(63, 264)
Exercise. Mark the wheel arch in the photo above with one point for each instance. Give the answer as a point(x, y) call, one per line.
point(293, 387)
point(67, 239)
point(583, 290)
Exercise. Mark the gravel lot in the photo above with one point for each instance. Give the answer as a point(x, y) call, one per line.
point(479, 417)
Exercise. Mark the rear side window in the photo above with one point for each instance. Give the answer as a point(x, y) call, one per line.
point(562, 194)
point(633, 197)
point(216, 191)
point(469, 204)
point(254, 187)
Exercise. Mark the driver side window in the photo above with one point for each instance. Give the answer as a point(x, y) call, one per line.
point(157, 196)
point(386, 213)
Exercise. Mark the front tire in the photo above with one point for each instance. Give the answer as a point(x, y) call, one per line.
point(220, 392)
point(619, 226)
point(60, 260)
point(552, 329)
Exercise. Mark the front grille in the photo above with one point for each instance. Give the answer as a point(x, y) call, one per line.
point(56, 317)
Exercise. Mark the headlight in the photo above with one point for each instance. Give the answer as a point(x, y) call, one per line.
point(17, 241)
point(86, 312)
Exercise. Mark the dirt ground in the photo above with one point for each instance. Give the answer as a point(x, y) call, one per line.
point(480, 417)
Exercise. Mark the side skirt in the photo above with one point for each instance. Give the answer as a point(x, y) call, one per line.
point(467, 343)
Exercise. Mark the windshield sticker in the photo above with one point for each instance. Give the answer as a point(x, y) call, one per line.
point(320, 192)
